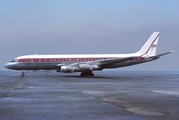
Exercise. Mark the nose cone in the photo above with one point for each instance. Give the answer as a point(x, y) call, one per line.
point(6, 65)
point(9, 65)
point(12, 66)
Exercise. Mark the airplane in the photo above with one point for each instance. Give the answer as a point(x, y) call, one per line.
point(86, 63)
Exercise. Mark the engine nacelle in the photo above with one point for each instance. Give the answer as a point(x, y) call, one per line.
point(69, 69)
point(79, 68)
point(83, 67)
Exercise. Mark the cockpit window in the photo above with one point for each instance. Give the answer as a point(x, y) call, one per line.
point(15, 60)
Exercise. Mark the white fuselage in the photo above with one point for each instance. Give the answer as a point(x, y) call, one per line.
point(49, 62)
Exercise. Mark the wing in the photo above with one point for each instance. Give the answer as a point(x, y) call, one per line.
point(101, 62)
point(112, 61)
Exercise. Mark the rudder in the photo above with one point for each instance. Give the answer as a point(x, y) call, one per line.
point(150, 46)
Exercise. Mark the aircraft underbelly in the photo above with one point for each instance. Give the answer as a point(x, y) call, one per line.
point(35, 66)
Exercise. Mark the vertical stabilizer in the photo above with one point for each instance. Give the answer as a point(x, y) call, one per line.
point(150, 46)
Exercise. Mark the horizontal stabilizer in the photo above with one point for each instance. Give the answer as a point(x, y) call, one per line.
point(159, 55)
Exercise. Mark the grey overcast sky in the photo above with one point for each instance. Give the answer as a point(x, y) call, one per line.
point(89, 26)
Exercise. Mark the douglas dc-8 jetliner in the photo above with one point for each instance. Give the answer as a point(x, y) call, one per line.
point(86, 63)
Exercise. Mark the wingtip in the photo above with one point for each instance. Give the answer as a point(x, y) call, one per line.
point(171, 51)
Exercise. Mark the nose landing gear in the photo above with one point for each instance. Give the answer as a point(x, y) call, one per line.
point(22, 74)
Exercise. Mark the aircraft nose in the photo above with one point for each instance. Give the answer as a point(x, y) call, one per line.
point(6, 65)
point(11, 65)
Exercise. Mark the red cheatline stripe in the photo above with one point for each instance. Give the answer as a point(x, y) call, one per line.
point(62, 59)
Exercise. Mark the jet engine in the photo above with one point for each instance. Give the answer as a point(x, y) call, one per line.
point(68, 69)
point(79, 68)
point(84, 67)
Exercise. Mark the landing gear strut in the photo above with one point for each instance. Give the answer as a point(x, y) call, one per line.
point(86, 73)
point(22, 74)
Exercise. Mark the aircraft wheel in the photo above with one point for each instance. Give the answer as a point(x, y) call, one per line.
point(82, 74)
point(86, 73)
point(89, 73)
point(22, 75)
point(92, 74)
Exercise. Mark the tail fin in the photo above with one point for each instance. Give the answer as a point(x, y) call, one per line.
point(150, 46)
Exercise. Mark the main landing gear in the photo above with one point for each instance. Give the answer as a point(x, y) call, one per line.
point(86, 73)
point(22, 74)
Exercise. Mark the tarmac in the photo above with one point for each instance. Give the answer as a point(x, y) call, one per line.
point(109, 95)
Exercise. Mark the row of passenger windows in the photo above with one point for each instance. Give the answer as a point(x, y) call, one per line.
point(65, 60)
